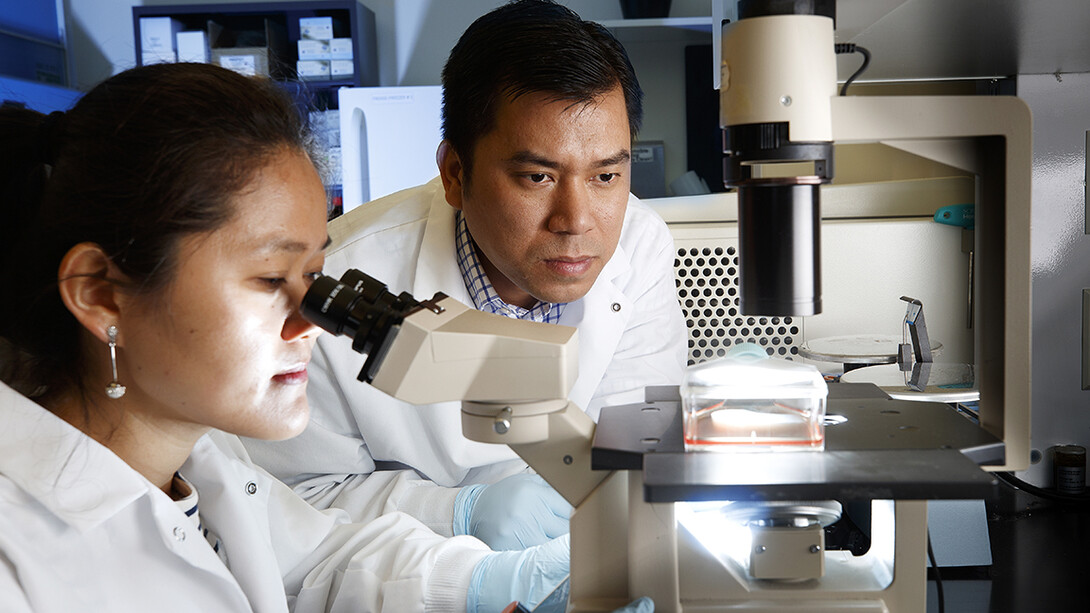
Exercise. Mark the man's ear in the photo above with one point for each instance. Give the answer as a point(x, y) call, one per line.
point(85, 289)
point(451, 172)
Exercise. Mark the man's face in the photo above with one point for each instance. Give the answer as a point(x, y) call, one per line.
point(546, 195)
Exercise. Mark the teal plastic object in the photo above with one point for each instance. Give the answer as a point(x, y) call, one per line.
point(961, 215)
point(747, 350)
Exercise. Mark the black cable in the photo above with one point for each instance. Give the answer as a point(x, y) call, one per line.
point(853, 48)
point(1016, 483)
point(938, 575)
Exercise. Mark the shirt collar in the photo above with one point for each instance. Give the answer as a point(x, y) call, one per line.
point(68, 472)
point(480, 288)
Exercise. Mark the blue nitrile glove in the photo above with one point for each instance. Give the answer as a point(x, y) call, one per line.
point(514, 513)
point(527, 576)
point(640, 605)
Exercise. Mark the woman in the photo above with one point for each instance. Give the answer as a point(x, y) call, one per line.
point(158, 239)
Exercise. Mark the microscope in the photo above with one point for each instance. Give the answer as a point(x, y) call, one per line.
point(710, 531)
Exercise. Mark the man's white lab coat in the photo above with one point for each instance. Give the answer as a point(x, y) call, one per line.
point(631, 334)
point(82, 531)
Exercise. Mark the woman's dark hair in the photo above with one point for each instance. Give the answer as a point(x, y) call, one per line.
point(530, 46)
point(144, 159)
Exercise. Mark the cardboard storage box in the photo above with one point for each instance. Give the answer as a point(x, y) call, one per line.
point(235, 49)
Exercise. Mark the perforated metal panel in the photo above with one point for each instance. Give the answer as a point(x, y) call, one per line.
point(706, 273)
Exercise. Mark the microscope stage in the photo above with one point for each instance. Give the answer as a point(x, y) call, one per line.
point(875, 448)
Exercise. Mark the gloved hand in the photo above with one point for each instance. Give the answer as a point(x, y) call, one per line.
point(514, 513)
point(528, 576)
point(640, 605)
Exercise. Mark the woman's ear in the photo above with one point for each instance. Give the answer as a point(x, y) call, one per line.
point(451, 173)
point(86, 280)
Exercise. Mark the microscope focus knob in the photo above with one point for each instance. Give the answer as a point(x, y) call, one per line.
point(503, 421)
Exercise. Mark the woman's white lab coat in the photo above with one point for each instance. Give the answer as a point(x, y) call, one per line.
point(82, 531)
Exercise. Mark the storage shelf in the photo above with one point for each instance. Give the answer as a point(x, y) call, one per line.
point(280, 23)
point(669, 29)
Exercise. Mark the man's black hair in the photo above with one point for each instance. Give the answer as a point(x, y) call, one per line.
point(530, 46)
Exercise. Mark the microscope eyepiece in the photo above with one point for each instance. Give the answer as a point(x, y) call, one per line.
point(361, 308)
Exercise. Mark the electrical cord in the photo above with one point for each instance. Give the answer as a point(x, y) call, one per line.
point(1016, 483)
point(938, 575)
point(853, 48)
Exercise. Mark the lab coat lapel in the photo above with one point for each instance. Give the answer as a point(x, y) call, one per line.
point(232, 512)
point(602, 316)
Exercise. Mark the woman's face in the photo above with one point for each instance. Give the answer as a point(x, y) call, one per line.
point(225, 345)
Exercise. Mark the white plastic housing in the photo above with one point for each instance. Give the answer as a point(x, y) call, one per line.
point(779, 69)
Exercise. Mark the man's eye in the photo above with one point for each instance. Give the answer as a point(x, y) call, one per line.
point(606, 177)
point(537, 177)
point(273, 282)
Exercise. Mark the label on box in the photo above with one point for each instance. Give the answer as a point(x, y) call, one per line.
point(312, 69)
point(316, 28)
point(341, 68)
point(242, 64)
point(340, 49)
point(314, 50)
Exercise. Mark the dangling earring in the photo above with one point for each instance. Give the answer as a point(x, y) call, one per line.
point(113, 389)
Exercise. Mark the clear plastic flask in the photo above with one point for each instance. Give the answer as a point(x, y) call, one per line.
point(747, 401)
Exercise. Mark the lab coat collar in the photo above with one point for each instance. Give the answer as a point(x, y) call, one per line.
point(619, 265)
point(80, 481)
point(437, 265)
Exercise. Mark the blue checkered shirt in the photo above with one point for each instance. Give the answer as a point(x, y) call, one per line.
point(480, 288)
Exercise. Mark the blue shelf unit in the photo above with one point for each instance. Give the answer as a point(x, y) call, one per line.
point(275, 25)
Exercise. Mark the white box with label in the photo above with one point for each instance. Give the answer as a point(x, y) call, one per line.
point(313, 49)
point(157, 33)
point(312, 69)
point(316, 28)
point(341, 68)
point(340, 49)
point(192, 46)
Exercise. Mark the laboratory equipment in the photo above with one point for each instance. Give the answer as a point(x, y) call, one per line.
point(916, 376)
point(627, 475)
point(438, 349)
point(986, 135)
point(857, 350)
point(776, 111)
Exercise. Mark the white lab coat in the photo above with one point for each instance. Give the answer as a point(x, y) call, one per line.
point(631, 334)
point(82, 531)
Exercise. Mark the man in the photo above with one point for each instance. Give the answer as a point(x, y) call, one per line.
point(531, 217)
